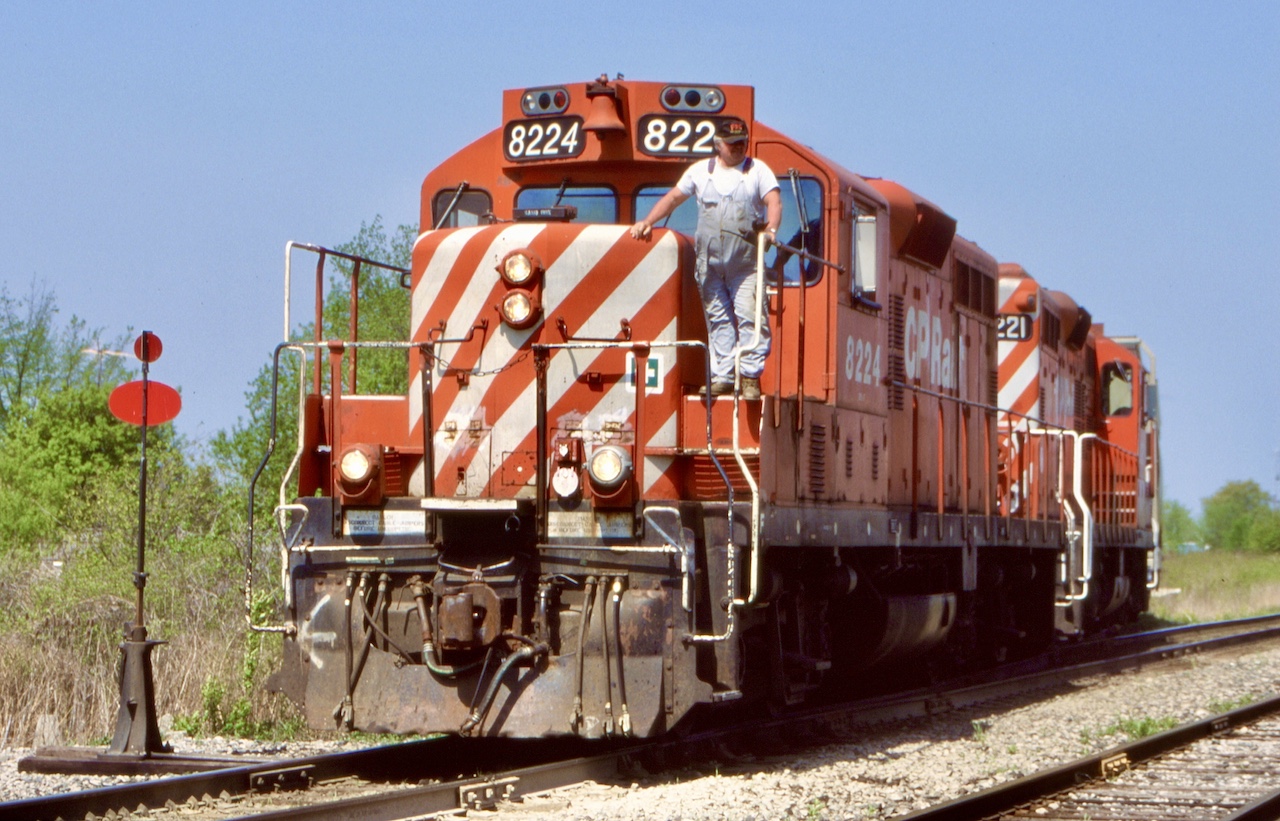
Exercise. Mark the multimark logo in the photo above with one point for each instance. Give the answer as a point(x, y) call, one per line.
point(652, 373)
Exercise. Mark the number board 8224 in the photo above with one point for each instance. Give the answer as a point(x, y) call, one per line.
point(543, 139)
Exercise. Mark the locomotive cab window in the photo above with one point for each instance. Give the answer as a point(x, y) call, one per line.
point(1117, 389)
point(595, 204)
point(684, 219)
point(801, 228)
point(865, 258)
point(471, 208)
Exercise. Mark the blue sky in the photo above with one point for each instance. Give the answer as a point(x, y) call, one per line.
point(155, 158)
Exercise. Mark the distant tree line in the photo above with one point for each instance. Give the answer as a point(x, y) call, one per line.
point(1240, 516)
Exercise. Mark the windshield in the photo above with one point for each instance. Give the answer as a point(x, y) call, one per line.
point(595, 204)
point(684, 219)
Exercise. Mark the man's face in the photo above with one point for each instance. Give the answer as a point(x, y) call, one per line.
point(731, 153)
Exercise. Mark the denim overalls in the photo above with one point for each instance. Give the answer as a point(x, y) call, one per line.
point(725, 242)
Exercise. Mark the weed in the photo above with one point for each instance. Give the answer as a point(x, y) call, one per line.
point(379, 739)
point(1012, 749)
point(1136, 728)
point(189, 724)
point(1232, 704)
point(980, 730)
point(816, 808)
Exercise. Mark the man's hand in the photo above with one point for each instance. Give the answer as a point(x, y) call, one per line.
point(641, 230)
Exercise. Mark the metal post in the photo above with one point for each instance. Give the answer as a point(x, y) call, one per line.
point(137, 731)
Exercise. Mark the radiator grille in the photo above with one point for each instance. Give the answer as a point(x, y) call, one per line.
point(818, 460)
point(897, 340)
point(897, 322)
point(1082, 405)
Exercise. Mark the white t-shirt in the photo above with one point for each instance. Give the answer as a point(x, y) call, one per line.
point(759, 180)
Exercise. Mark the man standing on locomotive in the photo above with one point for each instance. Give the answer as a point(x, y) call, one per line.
point(735, 194)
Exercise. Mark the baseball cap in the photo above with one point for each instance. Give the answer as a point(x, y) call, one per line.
point(732, 130)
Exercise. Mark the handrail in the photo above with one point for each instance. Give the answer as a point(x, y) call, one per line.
point(1105, 506)
point(288, 629)
point(1084, 535)
point(283, 507)
point(753, 537)
point(762, 243)
point(354, 313)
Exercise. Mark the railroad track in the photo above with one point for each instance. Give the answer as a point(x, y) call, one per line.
point(451, 766)
point(1225, 767)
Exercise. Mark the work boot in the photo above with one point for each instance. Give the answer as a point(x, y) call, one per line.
point(750, 387)
point(719, 387)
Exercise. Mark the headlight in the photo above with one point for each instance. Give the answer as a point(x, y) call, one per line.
point(355, 466)
point(518, 267)
point(609, 467)
point(518, 309)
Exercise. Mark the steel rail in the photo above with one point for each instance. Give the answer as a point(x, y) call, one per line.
point(409, 760)
point(451, 796)
point(449, 756)
point(1049, 783)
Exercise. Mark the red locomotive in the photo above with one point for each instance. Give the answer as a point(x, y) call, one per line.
point(551, 532)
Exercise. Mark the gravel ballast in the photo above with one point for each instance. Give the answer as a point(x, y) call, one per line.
point(879, 772)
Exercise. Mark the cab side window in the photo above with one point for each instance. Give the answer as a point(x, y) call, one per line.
point(1117, 389)
point(472, 208)
point(865, 257)
point(801, 228)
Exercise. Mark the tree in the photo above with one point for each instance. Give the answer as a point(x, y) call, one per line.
point(1178, 525)
point(37, 358)
point(384, 315)
point(51, 458)
point(58, 440)
point(1264, 532)
point(1230, 514)
point(384, 305)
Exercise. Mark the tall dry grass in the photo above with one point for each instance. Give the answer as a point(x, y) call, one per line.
point(60, 633)
point(1217, 584)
